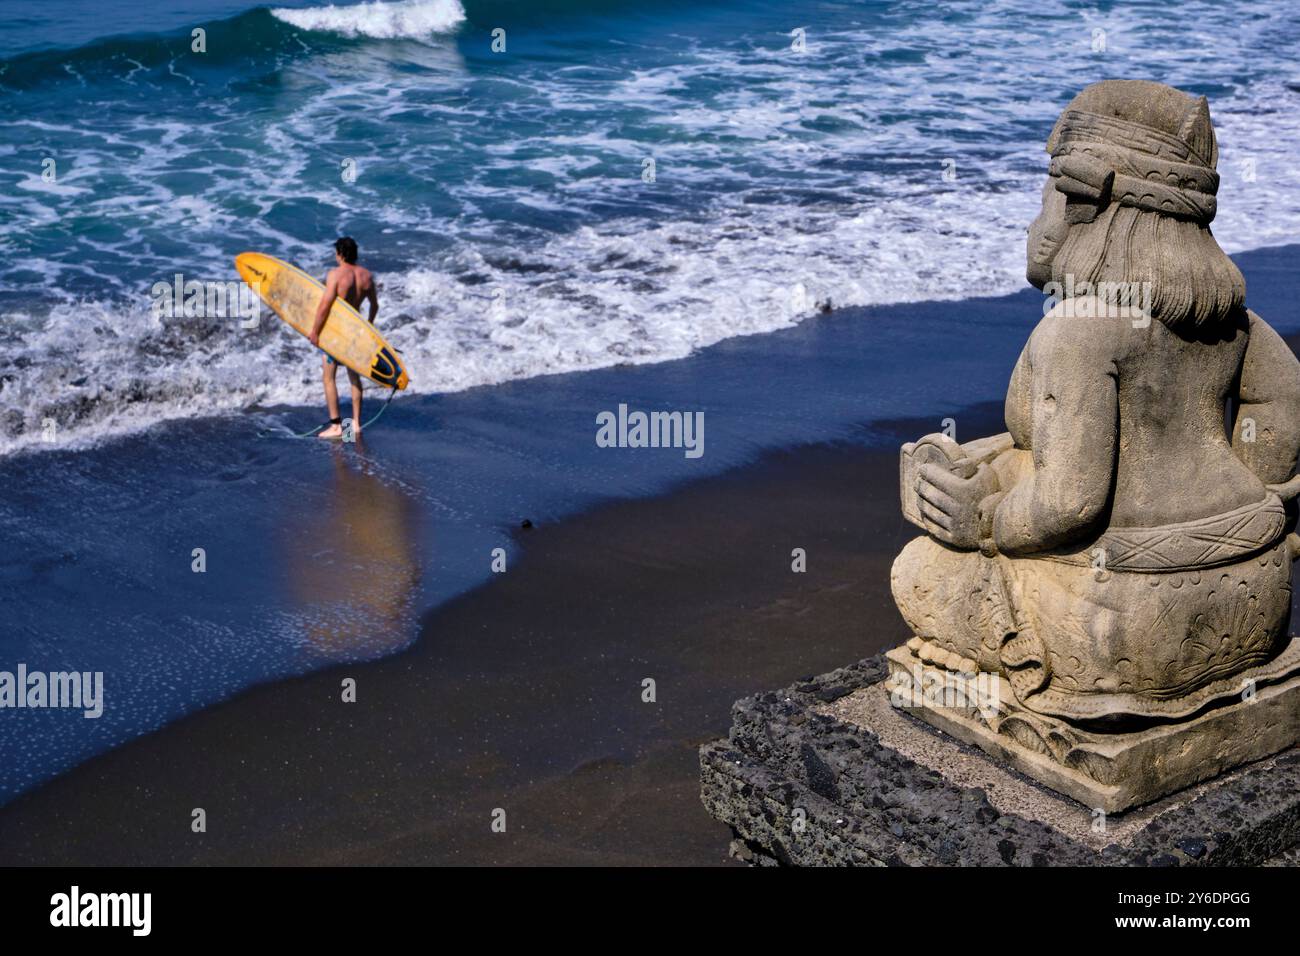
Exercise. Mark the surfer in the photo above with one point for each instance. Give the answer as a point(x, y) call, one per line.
point(352, 283)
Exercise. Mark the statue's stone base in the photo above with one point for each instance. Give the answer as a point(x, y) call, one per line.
point(1107, 771)
point(827, 772)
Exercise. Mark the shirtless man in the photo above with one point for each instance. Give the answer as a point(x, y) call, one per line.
point(353, 283)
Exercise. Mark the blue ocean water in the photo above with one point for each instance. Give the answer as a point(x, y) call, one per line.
point(804, 154)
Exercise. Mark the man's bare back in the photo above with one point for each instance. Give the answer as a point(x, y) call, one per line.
point(353, 284)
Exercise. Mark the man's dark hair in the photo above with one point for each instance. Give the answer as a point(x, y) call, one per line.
point(347, 248)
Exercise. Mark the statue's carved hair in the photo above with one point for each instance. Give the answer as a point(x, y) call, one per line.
point(1191, 280)
point(1137, 161)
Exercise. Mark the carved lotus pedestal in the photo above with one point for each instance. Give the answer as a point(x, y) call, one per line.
point(1244, 718)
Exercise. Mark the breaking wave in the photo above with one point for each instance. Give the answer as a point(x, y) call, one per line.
point(415, 19)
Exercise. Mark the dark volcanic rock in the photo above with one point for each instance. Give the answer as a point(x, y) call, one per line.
point(801, 788)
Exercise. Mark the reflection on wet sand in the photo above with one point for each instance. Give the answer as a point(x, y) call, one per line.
point(355, 567)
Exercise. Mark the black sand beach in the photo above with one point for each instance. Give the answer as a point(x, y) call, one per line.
point(525, 692)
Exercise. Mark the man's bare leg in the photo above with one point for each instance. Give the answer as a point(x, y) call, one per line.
point(329, 371)
point(355, 380)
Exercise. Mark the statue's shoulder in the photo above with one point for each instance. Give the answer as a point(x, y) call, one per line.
point(1256, 325)
point(1086, 326)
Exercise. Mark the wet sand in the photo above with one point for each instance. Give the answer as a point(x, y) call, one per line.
point(523, 695)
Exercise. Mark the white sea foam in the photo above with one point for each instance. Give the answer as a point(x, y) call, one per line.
point(398, 19)
point(812, 182)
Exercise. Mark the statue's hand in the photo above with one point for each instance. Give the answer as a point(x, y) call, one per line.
point(950, 504)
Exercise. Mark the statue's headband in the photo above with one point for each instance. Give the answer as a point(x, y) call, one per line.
point(1102, 159)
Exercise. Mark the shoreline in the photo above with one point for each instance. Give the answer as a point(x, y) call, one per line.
point(312, 555)
point(1261, 261)
point(542, 715)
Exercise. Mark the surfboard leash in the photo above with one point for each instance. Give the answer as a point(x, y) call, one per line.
point(382, 408)
point(308, 434)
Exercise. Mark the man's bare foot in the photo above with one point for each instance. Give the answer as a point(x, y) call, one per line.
point(333, 431)
point(356, 432)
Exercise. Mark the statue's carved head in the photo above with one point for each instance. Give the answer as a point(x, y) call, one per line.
point(1130, 198)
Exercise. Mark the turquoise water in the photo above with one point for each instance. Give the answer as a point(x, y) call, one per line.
point(503, 196)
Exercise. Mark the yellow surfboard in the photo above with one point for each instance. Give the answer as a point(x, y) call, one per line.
point(346, 337)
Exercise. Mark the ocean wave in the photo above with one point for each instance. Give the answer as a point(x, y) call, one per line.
point(411, 19)
point(502, 204)
point(243, 40)
point(251, 42)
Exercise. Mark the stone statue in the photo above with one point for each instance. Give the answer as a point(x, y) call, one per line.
point(1119, 559)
